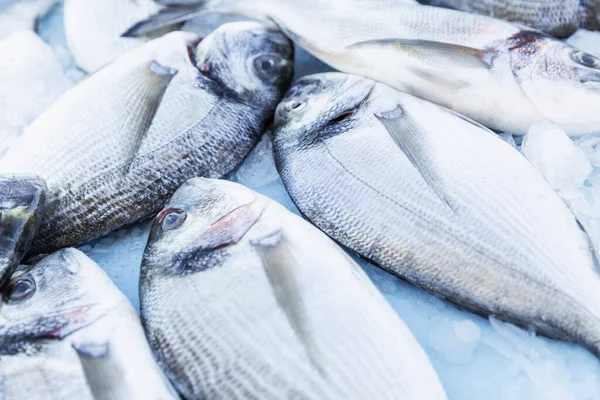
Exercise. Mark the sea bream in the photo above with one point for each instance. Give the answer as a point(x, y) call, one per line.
point(22, 201)
point(557, 17)
point(500, 74)
point(68, 333)
point(438, 200)
point(115, 147)
point(242, 299)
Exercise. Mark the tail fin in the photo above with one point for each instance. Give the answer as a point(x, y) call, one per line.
point(170, 15)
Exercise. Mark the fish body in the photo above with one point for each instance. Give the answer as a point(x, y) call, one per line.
point(438, 200)
point(67, 332)
point(242, 299)
point(116, 146)
point(93, 29)
point(559, 18)
point(500, 74)
point(22, 201)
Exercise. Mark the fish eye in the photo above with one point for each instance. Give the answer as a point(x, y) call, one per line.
point(585, 59)
point(294, 106)
point(171, 218)
point(20, 290)
point(267, 66)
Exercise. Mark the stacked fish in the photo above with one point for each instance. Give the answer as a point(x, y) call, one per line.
point(240, 298)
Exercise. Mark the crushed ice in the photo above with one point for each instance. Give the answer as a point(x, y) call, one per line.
point(475, 358)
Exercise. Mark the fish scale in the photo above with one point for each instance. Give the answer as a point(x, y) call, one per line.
point(281, 312)
point(503, 75)
point(557, 17)
point(505, 245)
point(76, 337)
point(115, 147)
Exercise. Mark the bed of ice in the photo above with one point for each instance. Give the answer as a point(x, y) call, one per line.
point(474, 357)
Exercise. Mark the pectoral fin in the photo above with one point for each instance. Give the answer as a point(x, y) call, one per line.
point(442, 53)
point(411, 140)
point(282, 269)
point(104, 376)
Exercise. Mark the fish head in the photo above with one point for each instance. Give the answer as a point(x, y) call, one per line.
point(250, 62)
point(562, 82)
point(55, 297)
point(22, 200)
point(319, 104)
point(199, 225)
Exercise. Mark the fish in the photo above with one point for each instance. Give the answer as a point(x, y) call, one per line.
point(241, 298)
point(502, 75)
point(19, 15)
point(439, 201)
point(93, 29)
point(67, 332)
point(559, 18)
point(22, 201)
point(115, 147)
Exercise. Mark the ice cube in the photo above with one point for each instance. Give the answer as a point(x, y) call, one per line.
point(554, 154)
point(22, 15)
point(259, 167)
point(31, 79)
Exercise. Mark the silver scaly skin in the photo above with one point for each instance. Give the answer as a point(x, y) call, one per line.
point(241, 299)
point(114, 148)
point(439, 201)
point(68, 333)
point(559, 18)
point(500, 74)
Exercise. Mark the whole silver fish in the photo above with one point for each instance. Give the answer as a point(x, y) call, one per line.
point(68, 333)
point(114, 148)
point(500, 74)
point(241, 299)
point(439, 201)
point(557, 17)
point(22, 201)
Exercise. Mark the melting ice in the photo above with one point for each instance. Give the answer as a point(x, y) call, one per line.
point(475, 358)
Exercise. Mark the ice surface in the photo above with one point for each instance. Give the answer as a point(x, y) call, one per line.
point(476, 358)
point(31, 79)
point(550, 150)
point(22, 15)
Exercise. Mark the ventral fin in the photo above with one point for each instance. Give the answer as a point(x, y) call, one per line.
point(104, 376)
point(444, 53)
point(283, 270)
point(411, 140)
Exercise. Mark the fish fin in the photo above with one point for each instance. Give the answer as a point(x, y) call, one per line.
point(408, 136)
point(150, 82)
point(103, 376)
point(168, 16)
point(590, 243)
point(282, 268)
point(446, 53)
